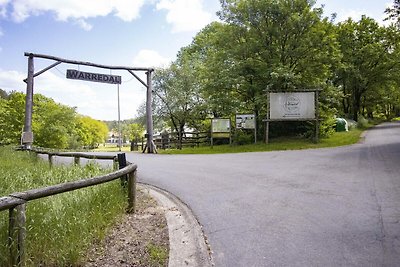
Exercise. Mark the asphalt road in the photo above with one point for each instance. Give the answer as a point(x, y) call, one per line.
point(322, 207)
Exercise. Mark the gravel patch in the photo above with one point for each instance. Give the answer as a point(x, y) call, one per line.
point(139, 239)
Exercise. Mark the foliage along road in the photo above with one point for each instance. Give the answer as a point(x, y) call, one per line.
point(322, 207)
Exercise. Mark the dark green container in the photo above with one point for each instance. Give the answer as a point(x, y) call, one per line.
point(341, 125)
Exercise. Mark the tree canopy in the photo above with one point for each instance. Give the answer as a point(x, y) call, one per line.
point(281, 45)
point(54, 125)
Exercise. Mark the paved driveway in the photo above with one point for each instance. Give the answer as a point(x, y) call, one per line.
point(323, 207)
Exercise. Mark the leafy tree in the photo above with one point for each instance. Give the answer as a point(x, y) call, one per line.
point(265, 44)
point(177, 95)
point(91, 132)
point(393, 13)
point(12, 114)
point(211, 49)
point(370, 62)
point(135, 131)
point(53, 124)
point(3, 94)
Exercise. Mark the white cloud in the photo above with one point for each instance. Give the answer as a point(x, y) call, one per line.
point(185, 16)
point(12, 80)
point(353, 14)
point(3, 10)
point(49, 83)
point(84, 25)
point(149, 58)
point(75, 10)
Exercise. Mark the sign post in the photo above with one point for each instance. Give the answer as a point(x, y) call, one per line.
point(27, 135)
point(220, 128)
point(247, 121)
point(301, 105)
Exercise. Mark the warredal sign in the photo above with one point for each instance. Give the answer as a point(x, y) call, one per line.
point(93, 77)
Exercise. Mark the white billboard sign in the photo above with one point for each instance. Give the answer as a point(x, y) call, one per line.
point(245, 121)
point(221, 125)
point(288, 106)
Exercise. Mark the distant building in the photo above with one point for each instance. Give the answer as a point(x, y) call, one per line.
point(113, 137)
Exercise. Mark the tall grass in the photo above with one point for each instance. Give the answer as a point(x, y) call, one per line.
point(60, 228)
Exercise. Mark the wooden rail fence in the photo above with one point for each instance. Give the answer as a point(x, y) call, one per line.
point(16, 202)
point(76, 155)
point(173, 140)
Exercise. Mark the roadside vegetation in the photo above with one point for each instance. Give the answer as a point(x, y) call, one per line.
point(61, 228)
point(284, 143)
point(227, 69)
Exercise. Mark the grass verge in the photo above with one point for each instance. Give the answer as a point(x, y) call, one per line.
point(337, 139)
point(60, 228)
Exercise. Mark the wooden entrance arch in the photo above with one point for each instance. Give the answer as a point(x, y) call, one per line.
point(27, 134)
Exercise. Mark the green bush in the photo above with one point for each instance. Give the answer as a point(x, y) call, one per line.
point(242, 138)
point(362, 122)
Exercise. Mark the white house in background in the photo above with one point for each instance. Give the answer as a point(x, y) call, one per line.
point(112, 137)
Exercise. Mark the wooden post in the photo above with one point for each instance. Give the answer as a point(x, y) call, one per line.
point(115, 164)
point(77, 160)
point(267, 122)
point(266, 132)
point(17, 235)
point(12, 239)
point(255, 129)
point(27, 135)
point(119, 122)
point(131, 192)
point(121, 165)
point(50, 156)
point(317, 116)
point(149, 114)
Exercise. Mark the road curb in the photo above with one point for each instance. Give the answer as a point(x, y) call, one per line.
point(188, 244)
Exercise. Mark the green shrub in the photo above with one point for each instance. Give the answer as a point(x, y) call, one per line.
point(362, 122)
point(242, 138)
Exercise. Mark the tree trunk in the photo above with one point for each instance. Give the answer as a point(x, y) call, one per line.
point(356, 104)
point(180, 135)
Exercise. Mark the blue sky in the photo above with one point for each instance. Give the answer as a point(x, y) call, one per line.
point(137, 33)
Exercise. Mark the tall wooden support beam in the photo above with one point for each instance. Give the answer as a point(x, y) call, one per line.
point(27, 135)
point(149, 114)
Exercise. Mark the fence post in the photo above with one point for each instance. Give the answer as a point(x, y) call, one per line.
point(17, 234)
point(77, 160)
point(121, 165)
point(115, 163)
point(131, 192)
point(50, 156)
